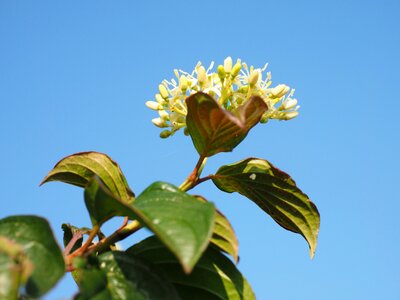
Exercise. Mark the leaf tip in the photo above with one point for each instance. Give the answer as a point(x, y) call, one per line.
point(43, 181)
point(187, 269)
point(313, 248)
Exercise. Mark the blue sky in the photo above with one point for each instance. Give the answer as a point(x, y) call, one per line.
point(75, 76)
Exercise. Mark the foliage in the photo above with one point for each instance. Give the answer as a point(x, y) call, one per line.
point(186, 258)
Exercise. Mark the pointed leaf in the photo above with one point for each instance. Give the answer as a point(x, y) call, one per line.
point(224, 236)
point(181, 222)
point(214, 129)
point(179, 214)
point(121, 276)
point(214, 277)
point(273, 191)
point(35, 237)
point(79, 168)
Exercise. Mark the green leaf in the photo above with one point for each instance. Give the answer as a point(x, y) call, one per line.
point(214, 277)
point(121, 276)
point(172, 212)
point(273, 191)
point(92, 285)
point(79, 168)
point(15, 268)
point(103, 205)
point(181, 222)
point(224, 236)
point(214, 129)
point(35, 237)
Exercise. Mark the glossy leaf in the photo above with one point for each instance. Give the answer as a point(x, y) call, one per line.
point(273, 191)
point(15, 268)
point(121, 276)
point(214, 277)
point(224, 236)
point(35, 237)
point(79, 168)
point(181, 222)
point(172, 212)
point(214, 129)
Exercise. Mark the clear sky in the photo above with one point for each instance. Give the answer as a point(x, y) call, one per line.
point(74, 76)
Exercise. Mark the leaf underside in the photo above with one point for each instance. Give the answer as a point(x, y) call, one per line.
point(79, 168)
point(214, 129)
point(224, 236)
point(275, 192)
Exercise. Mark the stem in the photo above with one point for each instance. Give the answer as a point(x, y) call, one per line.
point(124, 231)
point(69, 257)
point(205, 178)
point(74, 239)
point(192, 179)
point(126, 220)
point(93, 233)
point(118, 235)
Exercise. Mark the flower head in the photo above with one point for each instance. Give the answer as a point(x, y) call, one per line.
point(231, 85)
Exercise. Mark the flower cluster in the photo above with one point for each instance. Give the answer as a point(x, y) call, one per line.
point(231, 85)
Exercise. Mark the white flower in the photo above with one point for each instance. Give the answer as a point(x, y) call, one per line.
point(289, 103)
point(163, 91)
point(154, 105)
point(230, 85)
point(163, 115)
point(279, 91)
point(253, 77)
point(228, 64)
point(159, 122)
point(290, 115)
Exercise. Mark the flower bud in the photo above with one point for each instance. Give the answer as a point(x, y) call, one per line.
point(163, 115)
point(201, 75)
point(160, 99)
point(289, 103)
point(183, 83)
point(228, 64)
point(236, 68)
point(253, 78)
point(243, 89)
point(279, 91)
point(159, 122)
point(153, 105)
point(163, 91)
point(221, 72)
point(164, 134)
point(290, 115)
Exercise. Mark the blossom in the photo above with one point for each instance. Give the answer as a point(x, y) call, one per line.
point(231, 85)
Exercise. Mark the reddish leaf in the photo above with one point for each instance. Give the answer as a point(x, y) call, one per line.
point(214, 129)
